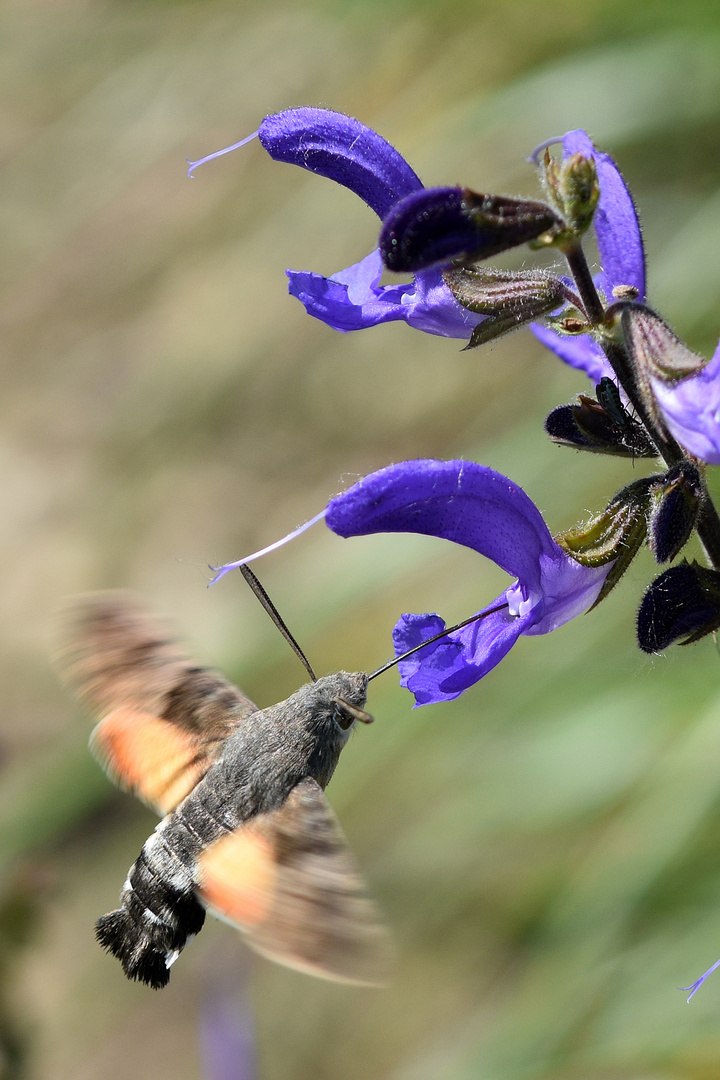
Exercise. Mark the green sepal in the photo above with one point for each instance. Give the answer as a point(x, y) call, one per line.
point(508, 298)
point(655, 350)
point(615, 535)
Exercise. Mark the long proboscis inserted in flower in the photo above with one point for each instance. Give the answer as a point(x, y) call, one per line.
point(431, 641)
point(260, 593)
point(481, 509)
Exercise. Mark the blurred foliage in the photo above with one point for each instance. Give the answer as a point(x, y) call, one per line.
point(545, 847)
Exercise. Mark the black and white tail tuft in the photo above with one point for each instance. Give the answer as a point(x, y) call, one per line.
point(145, 944)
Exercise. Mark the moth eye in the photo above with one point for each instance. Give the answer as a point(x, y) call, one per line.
point(342, 717)
point(345, 714)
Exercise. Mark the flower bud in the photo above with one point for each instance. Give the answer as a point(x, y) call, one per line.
point(573, 188)
point(440, 225)
point(674, 507)
point(684, 602)
point(508, 299)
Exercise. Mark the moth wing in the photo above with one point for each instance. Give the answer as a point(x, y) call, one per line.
point(288, 880)
point(164, 717)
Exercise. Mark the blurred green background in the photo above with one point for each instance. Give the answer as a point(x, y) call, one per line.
point(545, 848)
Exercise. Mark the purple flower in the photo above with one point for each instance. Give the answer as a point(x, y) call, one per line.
point(351, 154)
point(475, 506)
point(620, 247)
point(690, 408)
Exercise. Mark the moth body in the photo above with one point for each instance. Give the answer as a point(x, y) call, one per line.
point(267, 755)
point(246, 832)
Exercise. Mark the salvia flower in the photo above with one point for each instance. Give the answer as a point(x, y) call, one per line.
point(344, 150)
point(685, 388)
point(472, 505)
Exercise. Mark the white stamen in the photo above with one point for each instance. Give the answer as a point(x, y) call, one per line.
point(219, 153)
point(519, 603)
point(221, 571)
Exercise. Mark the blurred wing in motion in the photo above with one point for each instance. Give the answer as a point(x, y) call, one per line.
point(287, 879)
point(164, 717)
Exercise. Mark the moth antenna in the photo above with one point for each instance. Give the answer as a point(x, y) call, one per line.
point(276, 617)
point(442, 634)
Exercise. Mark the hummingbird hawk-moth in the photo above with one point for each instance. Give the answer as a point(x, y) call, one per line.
point(246, 830)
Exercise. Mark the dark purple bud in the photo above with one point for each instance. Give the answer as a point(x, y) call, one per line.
point(508, 298)
point(441, 225)
point(674, 510)
point(684, 602)
point(586, 425)
point(654, 349)
point(563, 429)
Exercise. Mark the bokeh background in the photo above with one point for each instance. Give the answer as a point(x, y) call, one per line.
point(547, 848)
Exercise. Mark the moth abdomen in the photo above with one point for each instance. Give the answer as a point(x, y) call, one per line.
point(158, 915)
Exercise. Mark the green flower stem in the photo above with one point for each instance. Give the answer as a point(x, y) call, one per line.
point(592, 304)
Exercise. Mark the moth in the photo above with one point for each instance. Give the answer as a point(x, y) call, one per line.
point(246, 831)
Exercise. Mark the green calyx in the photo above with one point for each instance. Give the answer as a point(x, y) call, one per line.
point(508, 299)
point(613, 536)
